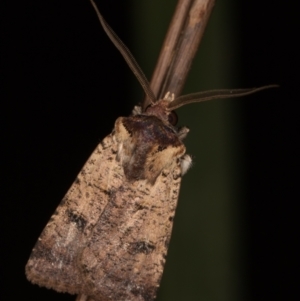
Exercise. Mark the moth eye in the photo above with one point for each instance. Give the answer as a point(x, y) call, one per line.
point(173, 118)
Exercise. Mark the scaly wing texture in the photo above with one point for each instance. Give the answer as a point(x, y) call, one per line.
point(54, 259)
point(125, 256)
point(108, 238)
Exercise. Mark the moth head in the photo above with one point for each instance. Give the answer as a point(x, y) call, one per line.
point(161, 109)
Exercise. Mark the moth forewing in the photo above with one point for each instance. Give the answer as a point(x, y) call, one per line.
point(53, 261)
point(126, 255)
point(108, 238)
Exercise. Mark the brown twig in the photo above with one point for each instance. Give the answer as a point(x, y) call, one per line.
point(181, 43)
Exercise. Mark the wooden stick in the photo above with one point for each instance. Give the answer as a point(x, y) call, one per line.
point(179, 48)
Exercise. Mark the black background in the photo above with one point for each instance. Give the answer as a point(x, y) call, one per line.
point(63, 85)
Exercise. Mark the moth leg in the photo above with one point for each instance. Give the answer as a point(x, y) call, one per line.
point(182, 132)
point(185, 164)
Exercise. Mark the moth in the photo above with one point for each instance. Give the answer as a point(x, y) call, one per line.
point(109, 236)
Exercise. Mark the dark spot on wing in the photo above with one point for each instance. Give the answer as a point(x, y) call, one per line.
point(141, 247)
point(138, 207)
point(161, 148)
point(79, 220)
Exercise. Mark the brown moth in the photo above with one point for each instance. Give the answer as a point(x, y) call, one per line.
point(108, 238)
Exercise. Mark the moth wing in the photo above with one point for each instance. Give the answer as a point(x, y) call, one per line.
point(125, 256)
point(54, 260)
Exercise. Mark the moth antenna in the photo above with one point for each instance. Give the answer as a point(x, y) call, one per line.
point(213, 94)
point(130, 60)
